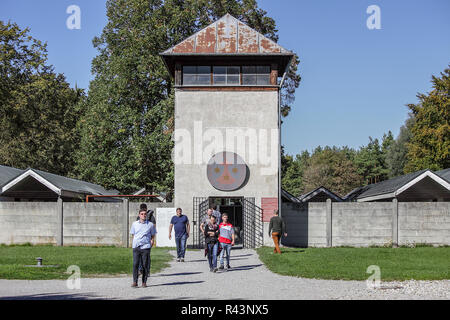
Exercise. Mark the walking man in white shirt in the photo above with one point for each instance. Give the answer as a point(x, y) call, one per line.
point(143, 232)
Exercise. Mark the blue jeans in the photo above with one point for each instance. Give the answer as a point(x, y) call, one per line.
point(181, 245)
point(212, 254)
point(225, 247)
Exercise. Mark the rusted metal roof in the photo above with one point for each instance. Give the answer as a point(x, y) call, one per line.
point(226, 36)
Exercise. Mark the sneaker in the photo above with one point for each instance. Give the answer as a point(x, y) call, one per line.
point(134, 285)
point(215, 269)
point(178, 260)
point(144, 285)
point(182, 259)
point(221, 267)
point(211, 270)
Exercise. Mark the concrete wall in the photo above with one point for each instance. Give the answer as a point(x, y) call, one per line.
point(314, 224)
point(305, 224)
point(365, 224)
point(96, 223)
point(69, 223)
point(424, 222)
point(33, 222)
point(222, 110)
point(361, 224)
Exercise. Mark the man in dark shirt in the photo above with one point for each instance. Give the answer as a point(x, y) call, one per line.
point(277, 227)
point(180, 223)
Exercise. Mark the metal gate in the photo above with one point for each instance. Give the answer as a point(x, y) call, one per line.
point(252, 224)
point(201, 205)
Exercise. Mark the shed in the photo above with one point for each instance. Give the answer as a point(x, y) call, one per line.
point(423, 185)
point(37, 185)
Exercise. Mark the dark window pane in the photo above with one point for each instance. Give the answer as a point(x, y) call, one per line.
point(263, 79)
point(248, 69)
point(263, 69)
point(233, 79)
point(233, 70)
point(219, 79)
point(189, 79)
point(203, 69)
point(220, 70)
point(190, 69)
point(249, 79)
point(204, 79)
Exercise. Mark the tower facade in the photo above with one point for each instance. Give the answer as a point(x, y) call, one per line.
point(227, 126)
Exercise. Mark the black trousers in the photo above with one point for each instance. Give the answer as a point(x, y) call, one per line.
point(141, 257)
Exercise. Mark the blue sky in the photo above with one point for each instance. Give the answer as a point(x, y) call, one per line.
point(355, 81)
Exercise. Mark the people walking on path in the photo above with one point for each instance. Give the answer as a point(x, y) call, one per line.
point(143, 232)
point(277, 227)
point(226, 240)
point(150, 217)
point(182, 228)
point(212, 242)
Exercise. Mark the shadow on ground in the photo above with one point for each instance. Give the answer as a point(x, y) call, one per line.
point(55, 296)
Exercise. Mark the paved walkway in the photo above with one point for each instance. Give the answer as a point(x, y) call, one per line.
point(249, 279)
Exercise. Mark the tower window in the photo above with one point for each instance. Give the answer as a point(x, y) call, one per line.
point(255, 75)
point(226, 75)
point(197, 75)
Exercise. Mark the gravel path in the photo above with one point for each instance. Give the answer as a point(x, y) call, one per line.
point(249, 279)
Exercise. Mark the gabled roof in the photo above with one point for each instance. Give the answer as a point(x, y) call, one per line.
point(393, 187)
point(62, 186)
point(286, 195)
point(444, 174)
point(227, 35)
point(8, 173)
point(310, 195)
point(225, 38)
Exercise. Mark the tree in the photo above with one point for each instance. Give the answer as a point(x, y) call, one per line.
point(292, 177)
point(331, 168)
point(429, 147)
point(370, 160)
point(396, 156)
point(39, 110)
point(126, 132)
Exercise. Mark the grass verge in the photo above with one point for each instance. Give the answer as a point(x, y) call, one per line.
point(93, 261)
point(421, 263)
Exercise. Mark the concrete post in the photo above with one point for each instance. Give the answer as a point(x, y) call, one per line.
point(59, 222)
point(394, 223)
point(125, 223)
point(329, 221)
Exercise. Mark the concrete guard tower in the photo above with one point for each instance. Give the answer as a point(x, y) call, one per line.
point(227, 127)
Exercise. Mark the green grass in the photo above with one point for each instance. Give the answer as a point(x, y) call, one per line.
point(420, 263)
point(93, 261)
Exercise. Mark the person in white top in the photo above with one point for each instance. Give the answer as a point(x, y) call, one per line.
point(143, 232)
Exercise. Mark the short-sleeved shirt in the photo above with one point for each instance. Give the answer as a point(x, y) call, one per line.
point(225, 232)
point(179, 224)
point(143, 233)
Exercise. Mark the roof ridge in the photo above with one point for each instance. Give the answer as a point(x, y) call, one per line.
point(193, 46)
